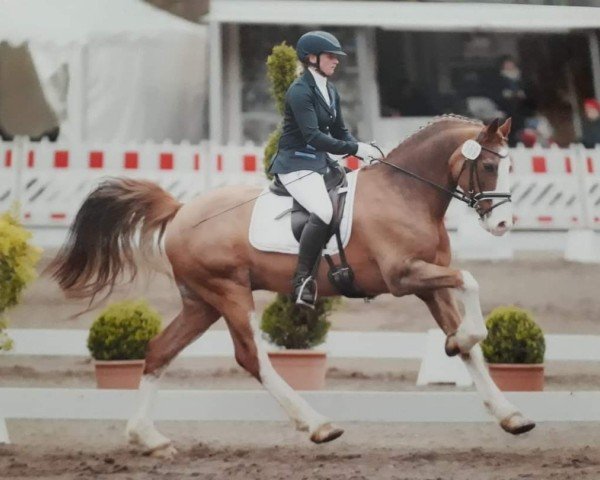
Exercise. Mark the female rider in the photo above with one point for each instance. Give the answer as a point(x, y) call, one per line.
point(313, 127)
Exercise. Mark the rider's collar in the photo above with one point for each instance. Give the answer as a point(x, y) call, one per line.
point(320, 79)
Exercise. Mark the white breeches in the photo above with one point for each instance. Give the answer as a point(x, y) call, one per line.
point(308, 188)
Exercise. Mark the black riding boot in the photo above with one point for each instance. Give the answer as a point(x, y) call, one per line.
point(313, 239)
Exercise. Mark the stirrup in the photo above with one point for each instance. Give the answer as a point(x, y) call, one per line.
point(303, 289)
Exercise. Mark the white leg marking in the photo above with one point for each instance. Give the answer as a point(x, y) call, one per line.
point(492, 397)
point(472, 328)
point(294, 405)
point(140, 428)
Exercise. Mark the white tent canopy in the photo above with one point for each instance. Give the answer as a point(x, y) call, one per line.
point(408, 16)
point(114, 70)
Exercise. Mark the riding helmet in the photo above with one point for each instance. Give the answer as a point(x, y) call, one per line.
point(317, 42)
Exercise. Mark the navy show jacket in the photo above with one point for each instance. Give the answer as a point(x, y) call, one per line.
point(311, 129)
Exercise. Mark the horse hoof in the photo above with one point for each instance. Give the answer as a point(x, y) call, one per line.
point(451, 347)
point(326, 433)
point(168, 452)
point(517, 424)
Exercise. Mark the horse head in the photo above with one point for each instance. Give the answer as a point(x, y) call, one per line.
point(480, 167)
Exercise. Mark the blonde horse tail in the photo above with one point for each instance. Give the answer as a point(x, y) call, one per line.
point(101, 243)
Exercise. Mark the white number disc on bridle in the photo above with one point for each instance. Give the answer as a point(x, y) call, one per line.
point(471, 150)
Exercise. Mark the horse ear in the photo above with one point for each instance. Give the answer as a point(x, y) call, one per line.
point(505, 127)
point(492, 128)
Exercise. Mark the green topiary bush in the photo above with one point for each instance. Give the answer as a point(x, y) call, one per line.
point(122, 331)
point(513, 337)
point(282, 70)
point(288, 326)
point(18, 259)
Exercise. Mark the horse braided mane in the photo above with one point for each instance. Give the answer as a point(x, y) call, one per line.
point(435, 125)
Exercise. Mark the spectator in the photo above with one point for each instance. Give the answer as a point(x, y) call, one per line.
point(510, 96)
point(591, 123)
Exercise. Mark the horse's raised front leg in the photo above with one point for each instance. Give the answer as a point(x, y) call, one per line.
point(250, 353)
point(422, 278)
point(442, 307)
point(195, 318)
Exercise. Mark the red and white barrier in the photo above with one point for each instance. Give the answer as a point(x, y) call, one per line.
point(51, 179)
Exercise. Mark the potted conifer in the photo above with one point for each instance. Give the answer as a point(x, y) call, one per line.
point(18, 259)
point(296, 331)
point(117, 342)
point(514, 350)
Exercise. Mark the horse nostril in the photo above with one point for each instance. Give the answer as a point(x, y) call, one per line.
point(502, 225)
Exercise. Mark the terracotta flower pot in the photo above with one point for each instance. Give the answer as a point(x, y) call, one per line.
point(119, 373)
point(518, 377)
point(301, 369)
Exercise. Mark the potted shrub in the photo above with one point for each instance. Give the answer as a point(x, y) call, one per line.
point(296, 331)
point(117, 342)
point(514, 350)
point(18, 259)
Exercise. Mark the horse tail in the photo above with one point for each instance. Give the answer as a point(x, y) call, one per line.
point(101, 243)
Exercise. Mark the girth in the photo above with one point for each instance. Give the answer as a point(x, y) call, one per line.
point(341, 276)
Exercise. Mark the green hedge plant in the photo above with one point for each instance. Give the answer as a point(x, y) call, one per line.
point(513, 337)
point(18, 259)
point(122, 331)
point(282, 70)
point(288, 326)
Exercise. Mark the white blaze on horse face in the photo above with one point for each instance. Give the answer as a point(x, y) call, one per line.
point(500, 219)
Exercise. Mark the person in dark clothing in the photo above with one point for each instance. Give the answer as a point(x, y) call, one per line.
point(510, 97)
point(591, 123)
point(313, 126)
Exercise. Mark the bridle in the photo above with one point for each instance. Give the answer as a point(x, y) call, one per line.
point(472, 197)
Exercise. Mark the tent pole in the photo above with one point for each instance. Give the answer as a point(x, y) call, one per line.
point(233, 86)
point(595, 58)
point(215, 126)
point(367, 79)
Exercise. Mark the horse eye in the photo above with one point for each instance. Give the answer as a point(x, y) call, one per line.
point(489, 168)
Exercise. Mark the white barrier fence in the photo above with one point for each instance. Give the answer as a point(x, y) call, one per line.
point(435, 367)
point(256, 405)
point(554, 188)
point(428, 347)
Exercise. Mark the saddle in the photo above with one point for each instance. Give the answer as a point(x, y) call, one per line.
point(341, 276)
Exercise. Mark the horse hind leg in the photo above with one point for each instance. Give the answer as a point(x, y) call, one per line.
point(251, 354)
point(195, 318)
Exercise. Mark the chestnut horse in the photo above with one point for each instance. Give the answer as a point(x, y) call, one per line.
point(399, 245)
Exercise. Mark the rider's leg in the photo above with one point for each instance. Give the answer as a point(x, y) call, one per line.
point(308, 188)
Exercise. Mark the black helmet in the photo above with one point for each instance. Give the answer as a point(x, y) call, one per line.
point(317, 42)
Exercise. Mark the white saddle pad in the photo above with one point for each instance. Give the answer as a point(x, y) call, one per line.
point(270, 235)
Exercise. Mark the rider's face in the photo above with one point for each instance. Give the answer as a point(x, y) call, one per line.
point(328, 62)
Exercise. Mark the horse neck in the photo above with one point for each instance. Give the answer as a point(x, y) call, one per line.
point(429, 158)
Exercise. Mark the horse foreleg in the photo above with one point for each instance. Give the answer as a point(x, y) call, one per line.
point(251, 354)
point(422, 278)
point(195, 318)
point(443, 308)
point(509, 416)
point(472, 329)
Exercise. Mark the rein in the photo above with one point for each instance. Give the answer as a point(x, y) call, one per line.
point(471, 198)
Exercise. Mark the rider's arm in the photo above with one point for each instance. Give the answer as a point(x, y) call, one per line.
point(301, 103)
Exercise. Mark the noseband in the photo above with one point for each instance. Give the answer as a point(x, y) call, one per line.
point(472, 198)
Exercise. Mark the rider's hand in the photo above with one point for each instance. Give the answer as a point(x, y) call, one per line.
point(367, 152)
